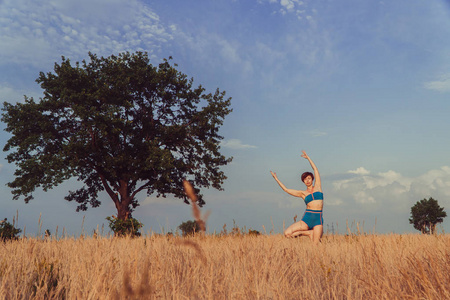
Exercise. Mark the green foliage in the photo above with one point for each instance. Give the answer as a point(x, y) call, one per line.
point(8, 231)
point(425, 214)
point(128, 227)
point(253, 232)
point(120, 125)
point(189, 228)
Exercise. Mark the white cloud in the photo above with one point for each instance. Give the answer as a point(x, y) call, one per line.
point(296, 7)
point(386, 178)
point(359, 171)
point(392, 188)
point(433, 181)
point(236, 144)
point(440, 85)
point(364, 197)
point(287, 4)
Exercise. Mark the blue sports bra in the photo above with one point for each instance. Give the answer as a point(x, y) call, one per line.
point(314, 196)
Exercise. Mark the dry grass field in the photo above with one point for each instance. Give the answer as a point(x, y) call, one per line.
point(227, 267)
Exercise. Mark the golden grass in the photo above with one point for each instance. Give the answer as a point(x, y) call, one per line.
point(228, 267)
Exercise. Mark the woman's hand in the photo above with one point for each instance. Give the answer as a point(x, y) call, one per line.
point(304, 155)
point(274, 175)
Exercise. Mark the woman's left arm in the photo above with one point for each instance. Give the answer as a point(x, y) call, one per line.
point(318, 183)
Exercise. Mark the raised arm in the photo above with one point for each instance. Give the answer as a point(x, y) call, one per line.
point(289, 191)
point(318, 183)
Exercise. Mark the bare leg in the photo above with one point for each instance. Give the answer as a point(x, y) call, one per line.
point(298, 228)
point(308, 233)
point(317, 233)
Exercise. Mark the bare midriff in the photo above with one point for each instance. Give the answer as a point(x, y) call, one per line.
point(315, 205)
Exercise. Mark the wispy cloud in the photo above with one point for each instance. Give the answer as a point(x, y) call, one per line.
point(236, 144)
point(297, 7)
point(37, 33)
point(7, 93)
point(359, 171)
point(214, 50)
point(12, 94)
point(440, 85)
point(317, 133)
point(151, 200)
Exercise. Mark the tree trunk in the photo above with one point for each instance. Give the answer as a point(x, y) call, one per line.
point(123, 206)
point(121, 199)
point(424, 228)
point(123, 211)
point(432, 228)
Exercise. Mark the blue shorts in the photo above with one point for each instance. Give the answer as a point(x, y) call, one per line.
point(313, 218)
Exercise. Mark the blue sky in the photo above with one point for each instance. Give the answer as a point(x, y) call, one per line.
point(362, 86)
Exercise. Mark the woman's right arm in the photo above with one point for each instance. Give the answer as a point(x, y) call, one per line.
point(289, 191)
point(318, 183)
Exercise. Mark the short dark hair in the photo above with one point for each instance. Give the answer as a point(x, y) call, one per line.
point(306, 174)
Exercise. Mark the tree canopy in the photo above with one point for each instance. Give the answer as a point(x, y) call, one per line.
point(120, 125)
point(426, 214)
point(189, 228)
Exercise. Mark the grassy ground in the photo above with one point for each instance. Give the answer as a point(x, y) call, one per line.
point(228, 267)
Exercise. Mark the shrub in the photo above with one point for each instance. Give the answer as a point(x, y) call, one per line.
point(128, 227)
point(8, 231)
point(253, 232)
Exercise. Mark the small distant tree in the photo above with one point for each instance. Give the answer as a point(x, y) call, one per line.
point(189, 228)
point(8, 231)
point(426, 214)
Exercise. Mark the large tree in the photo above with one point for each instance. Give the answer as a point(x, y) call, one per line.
point(120, 125)
point(425, 215)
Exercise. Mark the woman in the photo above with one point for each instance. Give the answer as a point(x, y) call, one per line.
point(312, 222)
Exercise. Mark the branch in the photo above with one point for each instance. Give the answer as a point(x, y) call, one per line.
point(139, 189)
point(108, 188)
